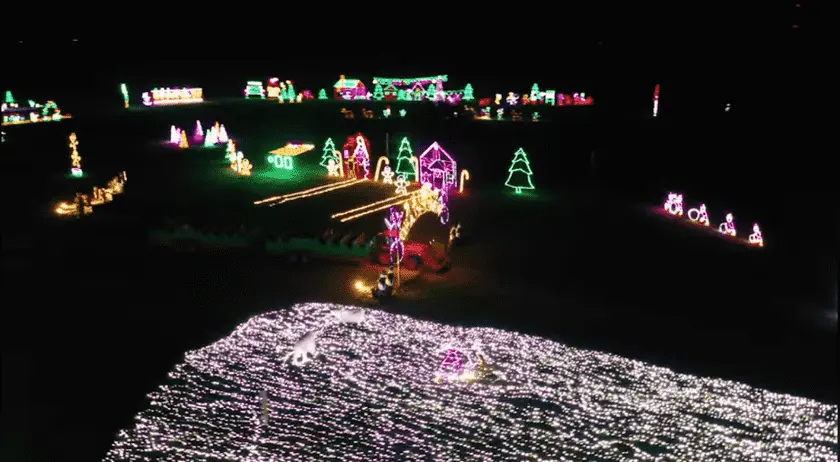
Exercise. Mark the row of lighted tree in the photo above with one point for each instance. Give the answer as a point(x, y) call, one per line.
point(519, 173)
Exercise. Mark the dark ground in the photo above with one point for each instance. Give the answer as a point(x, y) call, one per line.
point(94, 320)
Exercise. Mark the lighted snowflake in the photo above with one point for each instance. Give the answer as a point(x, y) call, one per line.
point(387, 175)
point(311, 383)
point(402, 185)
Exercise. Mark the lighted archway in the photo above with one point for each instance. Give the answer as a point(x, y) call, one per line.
point(426, 200)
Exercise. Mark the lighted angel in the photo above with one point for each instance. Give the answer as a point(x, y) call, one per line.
point(402, 186)
point(674, 204)
point(333, 168)
point(756, 237)
point(699, 215)
point(387, 175)
point(728, 226)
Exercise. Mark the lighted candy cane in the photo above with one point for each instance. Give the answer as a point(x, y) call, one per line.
point(674, 204)
point(379, 166)
point(728, 226)
point(699, 215)
point(756, 238)
point(465, 175)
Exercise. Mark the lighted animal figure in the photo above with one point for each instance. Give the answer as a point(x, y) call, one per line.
point(728, 226)
point(512, 98)
point(387, 175)
point(756, 237)
point(333, 168)
point(402, 186)
point(674, 204)
point(699, 216)
point(305, 350)
point(352, 316)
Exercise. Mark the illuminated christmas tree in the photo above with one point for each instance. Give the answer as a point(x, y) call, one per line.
point(535, 93)
point(198, 131)
point(210, 139)
point(329, 153)
point(404, 165)
point(377, 92)
point(468, 92)
point(223, 136)
point(290, 93)
point(9, 98)
point(430, 92)
point(183, 143)
point(401, 96)
point(322, 94)
point(519, 176)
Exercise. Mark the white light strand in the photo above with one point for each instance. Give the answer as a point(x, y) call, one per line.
point(370, 395)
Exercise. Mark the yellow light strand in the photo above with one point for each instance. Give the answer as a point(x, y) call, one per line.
point(316, 193)
point(304, 192)
point(366, 206)
point(368, 212)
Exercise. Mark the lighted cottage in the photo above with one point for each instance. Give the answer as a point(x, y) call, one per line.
point(438, 168)
point(349, 89)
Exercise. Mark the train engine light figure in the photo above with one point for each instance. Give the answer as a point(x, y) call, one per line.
point(699, 216)
point(728, 226)
point(674, 204)
point(756, 238)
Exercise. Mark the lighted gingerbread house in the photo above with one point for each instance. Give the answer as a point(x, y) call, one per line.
point(349, 89)
point(438, 168)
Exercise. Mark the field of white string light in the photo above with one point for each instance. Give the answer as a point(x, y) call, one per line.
point(327, 382)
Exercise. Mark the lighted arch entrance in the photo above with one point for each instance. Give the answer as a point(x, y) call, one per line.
point(425, 200)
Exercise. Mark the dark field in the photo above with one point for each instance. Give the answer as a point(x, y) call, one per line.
point(95, 318)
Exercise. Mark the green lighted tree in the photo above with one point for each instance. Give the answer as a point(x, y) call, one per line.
point(401, 96)
point(329, 153)
point(377, 92)
point(430, 92)
point(519, 176)
point(322, 94)
point(404, 165)
point(291, 93)
point(535, 92)
point(468, 92)
point(9, 98)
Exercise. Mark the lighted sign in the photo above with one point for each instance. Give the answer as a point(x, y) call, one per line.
point(283, 157)
point(171, 96)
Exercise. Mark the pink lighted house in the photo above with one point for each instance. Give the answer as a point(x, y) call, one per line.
point(438, 168)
